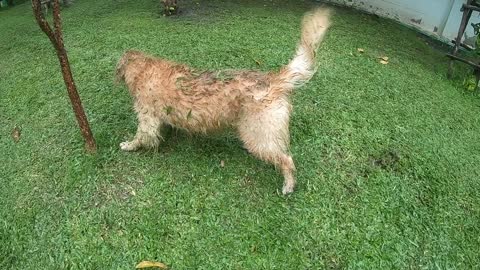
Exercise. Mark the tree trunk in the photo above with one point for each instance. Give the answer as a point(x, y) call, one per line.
point(56, 38)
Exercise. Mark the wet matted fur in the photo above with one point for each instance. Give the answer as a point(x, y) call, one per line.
point(256, 104)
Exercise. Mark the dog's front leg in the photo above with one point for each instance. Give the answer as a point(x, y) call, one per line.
point(147, 136)
point(130, 145)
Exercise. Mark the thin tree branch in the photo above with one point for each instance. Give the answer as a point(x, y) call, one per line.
point(57, 23)
point(57, 41)
point(37, 11)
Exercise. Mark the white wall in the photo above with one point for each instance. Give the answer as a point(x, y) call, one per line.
point(439, 18)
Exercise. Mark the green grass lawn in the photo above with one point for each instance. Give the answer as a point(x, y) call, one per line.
point(387, 155)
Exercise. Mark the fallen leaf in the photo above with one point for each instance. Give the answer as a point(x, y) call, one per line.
point(360, 50)
point(257, 62)
point(222, 163)
point(470, 83)
point(168, 109)
point(16, 134)
point(384, 58)
point(147, 264)
point(383, 62)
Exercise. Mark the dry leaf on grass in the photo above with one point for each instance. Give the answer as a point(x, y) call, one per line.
point(383, 60)
point(360, 50)
point(16, 134)
point(222, 163)
point(147, 264)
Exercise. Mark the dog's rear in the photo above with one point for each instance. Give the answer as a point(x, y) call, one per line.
point(264, 127)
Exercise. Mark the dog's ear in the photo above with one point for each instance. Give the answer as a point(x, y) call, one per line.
point(120, 69)
point(123, 63)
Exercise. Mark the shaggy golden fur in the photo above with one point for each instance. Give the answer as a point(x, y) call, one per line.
point(255, 103)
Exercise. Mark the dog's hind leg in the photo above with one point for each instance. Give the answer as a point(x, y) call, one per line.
point(148, 133)
point(265, 135)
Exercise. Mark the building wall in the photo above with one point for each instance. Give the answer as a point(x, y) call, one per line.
point(439, 18)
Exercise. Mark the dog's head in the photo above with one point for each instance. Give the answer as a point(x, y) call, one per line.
point(122, 64)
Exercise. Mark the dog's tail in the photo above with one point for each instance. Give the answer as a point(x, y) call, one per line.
point(302, 67)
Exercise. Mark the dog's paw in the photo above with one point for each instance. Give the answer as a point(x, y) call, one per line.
point(127, 146)
point(287, 189)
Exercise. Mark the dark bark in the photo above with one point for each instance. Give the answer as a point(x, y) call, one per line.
point(56, 38)
point(170, 7)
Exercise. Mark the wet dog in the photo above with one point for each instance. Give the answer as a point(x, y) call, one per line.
point(256, 104)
